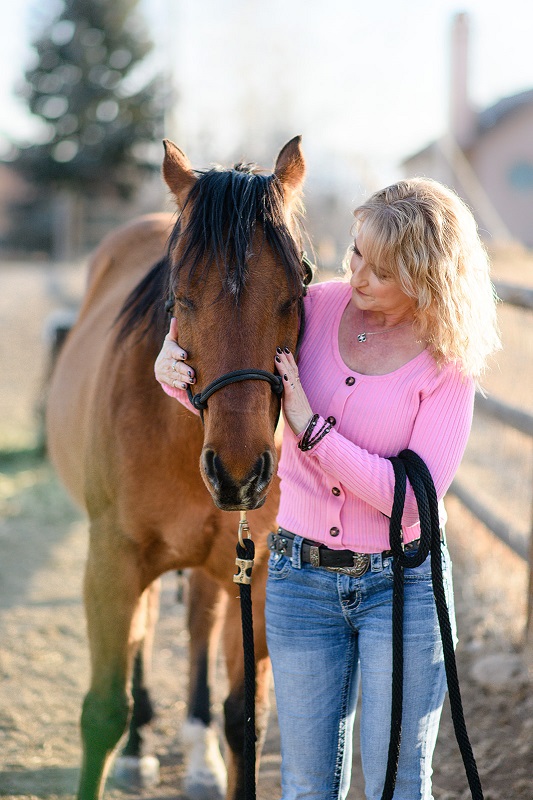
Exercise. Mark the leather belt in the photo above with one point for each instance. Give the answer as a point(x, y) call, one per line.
point(319, 555)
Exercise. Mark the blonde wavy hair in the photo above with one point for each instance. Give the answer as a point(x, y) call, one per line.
point(421, 234)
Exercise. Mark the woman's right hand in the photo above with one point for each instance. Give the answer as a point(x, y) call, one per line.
point(170, 368)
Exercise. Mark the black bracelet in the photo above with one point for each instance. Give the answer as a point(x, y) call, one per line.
point(311, 425)
point(307, 442)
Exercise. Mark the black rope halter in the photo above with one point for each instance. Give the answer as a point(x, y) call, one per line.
point(199, 400)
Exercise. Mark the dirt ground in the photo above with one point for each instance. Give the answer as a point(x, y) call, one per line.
point(44, 660)
point(43, 653)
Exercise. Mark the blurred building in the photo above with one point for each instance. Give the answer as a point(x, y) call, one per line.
point(487, 156)
point(13, 189)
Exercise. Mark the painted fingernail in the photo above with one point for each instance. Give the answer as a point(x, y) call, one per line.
point(184, 356)
point(189, 373)
point(277, 358)
point(285, 378)
point(183, 385)
point(278, 350)
point(287, 350)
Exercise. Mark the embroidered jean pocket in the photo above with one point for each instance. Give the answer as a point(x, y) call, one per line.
point(420, 573)
point(279, 566)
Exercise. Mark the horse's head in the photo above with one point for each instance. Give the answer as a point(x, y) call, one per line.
point(237, 282)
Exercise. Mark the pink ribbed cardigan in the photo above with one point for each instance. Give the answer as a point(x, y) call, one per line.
point(340, 492)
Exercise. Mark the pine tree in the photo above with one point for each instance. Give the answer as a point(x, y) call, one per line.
point(86, 86)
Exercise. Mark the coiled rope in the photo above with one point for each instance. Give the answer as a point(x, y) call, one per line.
point(409, 465)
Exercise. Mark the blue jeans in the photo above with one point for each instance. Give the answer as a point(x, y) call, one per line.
point(327, 632)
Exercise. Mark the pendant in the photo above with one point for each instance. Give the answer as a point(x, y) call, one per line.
point(361, 337)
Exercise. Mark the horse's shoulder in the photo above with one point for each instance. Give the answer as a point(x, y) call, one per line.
point(159, 223)
point(141, 241)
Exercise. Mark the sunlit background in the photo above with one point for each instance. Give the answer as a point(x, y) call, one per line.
point(369, 80)
point(367, 84)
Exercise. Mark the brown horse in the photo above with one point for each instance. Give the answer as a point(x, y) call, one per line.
point(230, 270)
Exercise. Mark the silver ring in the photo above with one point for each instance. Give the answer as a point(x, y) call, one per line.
point(174, 364)
point(174, 384)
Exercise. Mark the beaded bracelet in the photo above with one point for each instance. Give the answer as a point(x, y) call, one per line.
point(307, 442)
point(311, 425)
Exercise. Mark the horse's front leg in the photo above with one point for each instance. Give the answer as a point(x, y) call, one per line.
point(112, 590)
point(205, 777)
point(234, 704)
point(135, 769)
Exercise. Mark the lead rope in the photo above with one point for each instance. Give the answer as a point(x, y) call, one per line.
point(409, 465)
point(244, 563)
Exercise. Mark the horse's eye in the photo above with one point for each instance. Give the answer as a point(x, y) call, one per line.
point(185, 303)
point(289, 305)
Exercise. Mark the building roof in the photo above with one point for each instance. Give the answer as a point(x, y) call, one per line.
point(493, 114)
point(488, 118)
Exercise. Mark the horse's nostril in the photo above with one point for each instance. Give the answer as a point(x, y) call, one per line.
point(212, 468)
point(264, 472)
point(231, 492)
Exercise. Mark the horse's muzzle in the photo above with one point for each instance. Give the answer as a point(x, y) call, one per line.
point(231, 494)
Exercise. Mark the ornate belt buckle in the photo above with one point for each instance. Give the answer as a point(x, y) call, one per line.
point(361, 562)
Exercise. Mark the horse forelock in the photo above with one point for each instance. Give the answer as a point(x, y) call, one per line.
point(228, 212)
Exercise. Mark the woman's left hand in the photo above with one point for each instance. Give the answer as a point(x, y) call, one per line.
point(296, 406)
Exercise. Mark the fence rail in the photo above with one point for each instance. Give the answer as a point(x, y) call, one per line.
point(515, 295)
point(522, 421)
point(513, 417)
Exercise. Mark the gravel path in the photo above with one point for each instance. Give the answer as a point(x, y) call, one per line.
point(43, 657)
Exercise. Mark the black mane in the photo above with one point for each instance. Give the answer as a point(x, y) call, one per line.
point(227, 207)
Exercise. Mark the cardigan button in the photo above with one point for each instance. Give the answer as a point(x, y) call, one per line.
point(336, 491)
point(350, 380)
point(334, 531)
point(332, 421)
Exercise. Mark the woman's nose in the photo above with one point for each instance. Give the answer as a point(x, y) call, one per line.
point(357, 273)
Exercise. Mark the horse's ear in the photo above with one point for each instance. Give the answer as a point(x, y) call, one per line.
point(290, 166)
point(177, 172)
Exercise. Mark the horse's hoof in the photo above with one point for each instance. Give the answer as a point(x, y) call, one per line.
point(206, 776)
point(133, 773)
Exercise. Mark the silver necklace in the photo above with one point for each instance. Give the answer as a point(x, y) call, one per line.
point(361, 337)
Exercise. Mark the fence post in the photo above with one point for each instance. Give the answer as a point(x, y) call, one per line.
point(528, 649)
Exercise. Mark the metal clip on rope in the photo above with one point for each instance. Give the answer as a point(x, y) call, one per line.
point(244, 565)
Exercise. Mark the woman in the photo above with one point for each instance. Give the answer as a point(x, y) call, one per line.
point(388, 362)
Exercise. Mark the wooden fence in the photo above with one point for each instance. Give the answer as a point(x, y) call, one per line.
point(519, 420)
